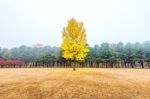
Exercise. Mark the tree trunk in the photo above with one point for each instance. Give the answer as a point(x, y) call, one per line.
point(142, 64)
point(74, 66)
point(132, 65)
point(148, 64)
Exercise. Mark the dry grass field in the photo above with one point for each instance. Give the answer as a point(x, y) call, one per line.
point(59, 83)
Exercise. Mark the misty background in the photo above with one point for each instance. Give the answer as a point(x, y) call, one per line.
point(27, 22)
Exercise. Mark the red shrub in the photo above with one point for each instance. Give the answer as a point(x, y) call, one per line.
point(11, 62)
point(2, 62)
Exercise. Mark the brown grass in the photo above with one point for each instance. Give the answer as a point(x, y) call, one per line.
point(48, 83)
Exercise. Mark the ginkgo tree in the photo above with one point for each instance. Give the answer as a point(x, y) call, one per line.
point(74, 45)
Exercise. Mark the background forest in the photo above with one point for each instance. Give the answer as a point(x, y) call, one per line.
point(108, 55)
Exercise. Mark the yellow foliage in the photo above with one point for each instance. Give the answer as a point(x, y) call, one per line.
point(74, 44)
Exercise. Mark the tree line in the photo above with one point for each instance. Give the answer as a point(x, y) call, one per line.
point(105, 55)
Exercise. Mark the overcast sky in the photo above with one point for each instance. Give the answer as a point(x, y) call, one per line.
point(26, 22)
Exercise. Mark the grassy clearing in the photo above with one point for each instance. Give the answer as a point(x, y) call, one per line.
point(85, 83)
point(80, 72)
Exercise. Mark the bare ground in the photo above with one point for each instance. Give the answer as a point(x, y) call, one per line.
point(85, 83)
